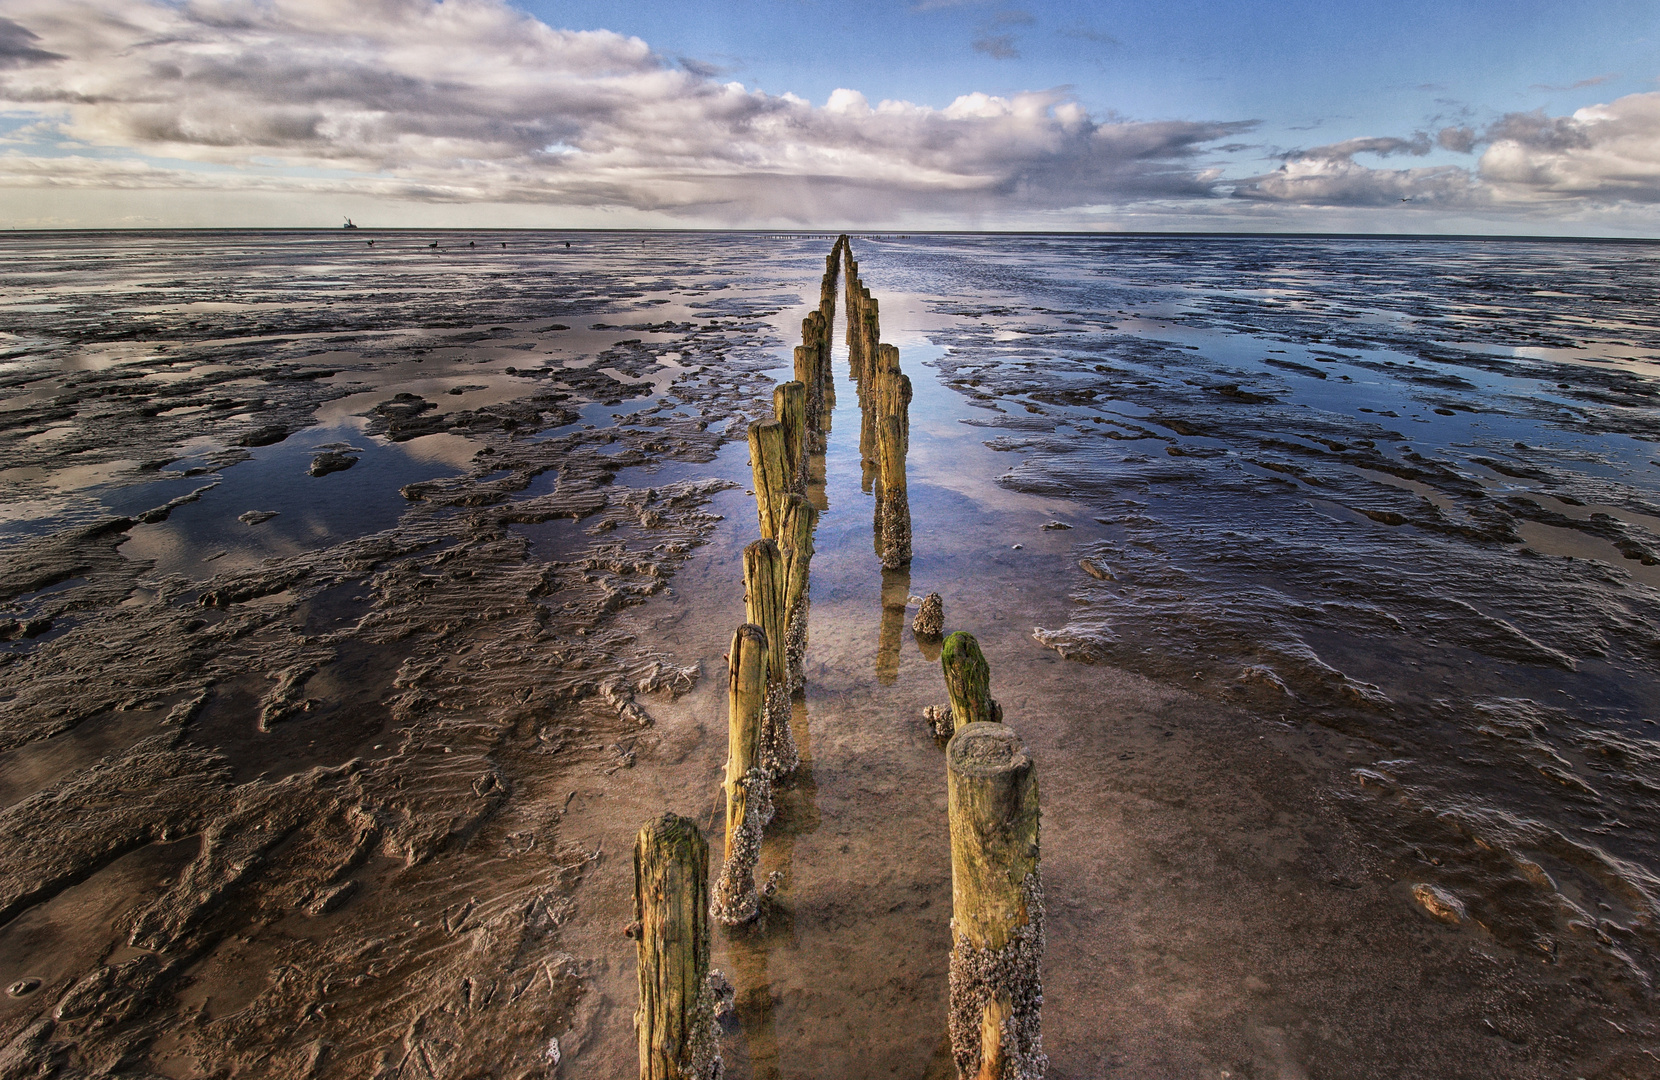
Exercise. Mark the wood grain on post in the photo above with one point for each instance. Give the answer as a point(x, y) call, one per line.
point(770, 471)
point(748, 795)
point(996, 906)
point(968, 680)
point(675, 1022)
point(789, 406)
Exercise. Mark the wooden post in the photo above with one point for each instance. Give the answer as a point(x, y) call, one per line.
point(968, 680)
point(765, 592)
point(870, 331)
point(855, 320)
point(893, 503)
point(806, 373)
point(767, 464)
point(870, 394)
point(795, 543)
point(675, 1022)
point(748, 794)
point(789, 406)
point(996, 906)
point(804, 363)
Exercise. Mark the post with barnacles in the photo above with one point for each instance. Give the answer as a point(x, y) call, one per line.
point(766, 600)
point(795, 543)
point(996, 987)
point(748, 791)
point(675, 1023)
point(893, 503)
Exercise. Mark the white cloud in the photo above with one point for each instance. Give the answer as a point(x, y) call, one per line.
point(472, 100)
point(1601, 156)
point(472, 103)
point(1604, 153)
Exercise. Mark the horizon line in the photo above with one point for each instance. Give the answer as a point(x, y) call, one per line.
point(865, 233)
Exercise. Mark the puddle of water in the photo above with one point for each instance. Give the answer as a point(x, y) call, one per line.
point(209, 537)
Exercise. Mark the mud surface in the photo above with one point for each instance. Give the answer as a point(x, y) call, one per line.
point(356, 600)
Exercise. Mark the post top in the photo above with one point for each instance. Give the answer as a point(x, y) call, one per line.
point(986, 749)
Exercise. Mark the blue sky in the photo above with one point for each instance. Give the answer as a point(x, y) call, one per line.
point(1432, 117)
point(1378, 66)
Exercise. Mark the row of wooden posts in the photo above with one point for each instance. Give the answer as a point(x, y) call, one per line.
point(997, 894)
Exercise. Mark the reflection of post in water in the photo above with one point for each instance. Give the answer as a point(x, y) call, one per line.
point(747, 951)
point(896, 590)
point(796, 816)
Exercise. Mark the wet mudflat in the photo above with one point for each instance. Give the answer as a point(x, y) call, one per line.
point(349, 790)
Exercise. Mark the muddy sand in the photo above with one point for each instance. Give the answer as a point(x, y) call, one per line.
point(364, 601)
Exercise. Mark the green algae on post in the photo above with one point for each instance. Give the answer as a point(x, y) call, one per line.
point(968, 680)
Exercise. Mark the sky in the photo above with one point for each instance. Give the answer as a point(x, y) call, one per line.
point(1204, 115)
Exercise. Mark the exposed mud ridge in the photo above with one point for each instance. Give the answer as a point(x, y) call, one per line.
point(340, 759)
point(1414, 500)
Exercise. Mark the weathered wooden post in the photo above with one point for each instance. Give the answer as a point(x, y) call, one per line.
point(968, 680)
point(765, 598)
point(814, 331)
point(768, 466)
point(806, 364)
point(870, 330)
point(996, 906)
point(675, 1022)
point(827, 290)
point(789, 407)
point(893, 501)
point(795, 543)
point(855, 321)
point(748, 792)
